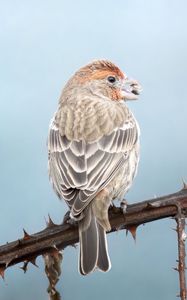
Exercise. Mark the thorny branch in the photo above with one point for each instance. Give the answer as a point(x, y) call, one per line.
point(180, 219)
point(57, 237)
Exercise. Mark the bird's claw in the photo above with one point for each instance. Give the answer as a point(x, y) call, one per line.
point(72, 222)
point(123, 206)
point(113, 208)
point(67, 219)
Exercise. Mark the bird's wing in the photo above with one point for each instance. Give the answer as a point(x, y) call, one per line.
point(78, 170)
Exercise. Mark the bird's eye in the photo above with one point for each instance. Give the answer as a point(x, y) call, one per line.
point(111, 79)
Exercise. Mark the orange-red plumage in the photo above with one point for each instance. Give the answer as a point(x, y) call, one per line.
point(99, 70)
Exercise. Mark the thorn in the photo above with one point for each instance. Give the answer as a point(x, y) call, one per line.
point(150, 205)
point(8, 262)
point(175, 269)
point(19, 242)
point(132, 230)
point(50, 223)
point(184, 184)
point(25, 266)
point(178, 295)
point(2, 272)
point(26, 235)
point(33, 261)
point(153, 205)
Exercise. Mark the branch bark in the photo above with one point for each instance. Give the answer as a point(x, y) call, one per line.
point(181, 235)
point(58, 237)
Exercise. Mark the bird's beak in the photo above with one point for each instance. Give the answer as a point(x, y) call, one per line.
point(130, 89)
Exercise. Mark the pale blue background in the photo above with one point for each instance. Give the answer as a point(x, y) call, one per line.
point(42, 44)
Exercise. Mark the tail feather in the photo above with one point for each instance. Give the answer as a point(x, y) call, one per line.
point(88, 248)
point(103, 261)
point(93, 248)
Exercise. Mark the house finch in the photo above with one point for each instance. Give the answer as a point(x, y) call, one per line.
point(93, 153)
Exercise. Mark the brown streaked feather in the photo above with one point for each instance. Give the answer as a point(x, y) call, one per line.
point(89, 123)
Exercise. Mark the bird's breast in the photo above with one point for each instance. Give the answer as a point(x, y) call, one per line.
point(89, 119)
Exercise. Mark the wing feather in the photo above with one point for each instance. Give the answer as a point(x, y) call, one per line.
point(78, 163)
point(78, 148)
point(78, 169)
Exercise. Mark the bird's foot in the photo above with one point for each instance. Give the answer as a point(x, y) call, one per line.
point(113, 208)
point(123, 206)
point(68, 220)
point(66, 217)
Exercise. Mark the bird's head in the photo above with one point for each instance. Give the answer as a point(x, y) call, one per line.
point(103, 78)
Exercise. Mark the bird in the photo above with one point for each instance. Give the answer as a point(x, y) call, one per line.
point(93, 146)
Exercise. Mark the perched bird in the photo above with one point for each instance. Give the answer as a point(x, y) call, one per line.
point(93, 148)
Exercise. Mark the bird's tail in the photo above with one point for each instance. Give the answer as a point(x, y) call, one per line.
point(93, 247)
